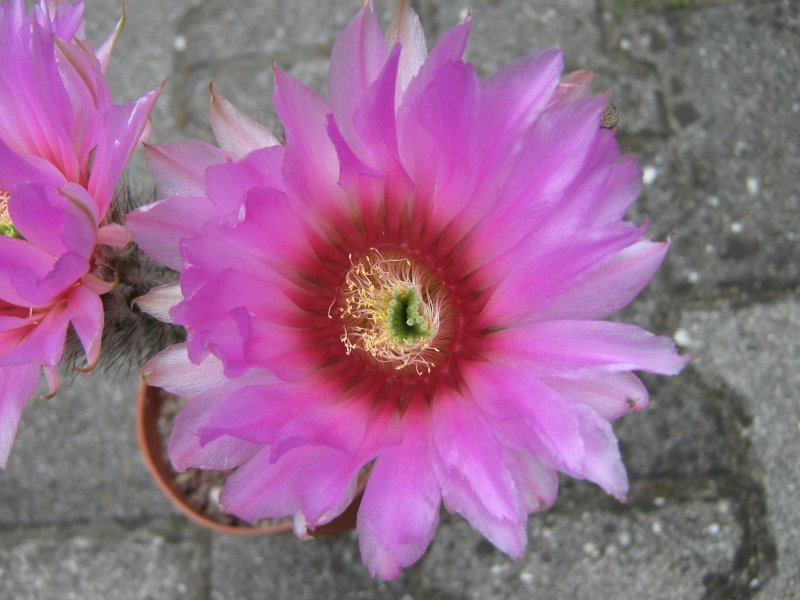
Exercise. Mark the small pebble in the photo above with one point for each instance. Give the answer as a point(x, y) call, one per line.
point(753, 185)
point(649, 174)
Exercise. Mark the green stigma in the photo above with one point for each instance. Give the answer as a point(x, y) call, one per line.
point(404, 319)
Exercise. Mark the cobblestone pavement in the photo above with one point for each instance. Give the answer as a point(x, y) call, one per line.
point(709, 93)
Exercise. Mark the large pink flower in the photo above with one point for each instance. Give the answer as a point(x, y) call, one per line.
point(414, 284)
point(63, 146)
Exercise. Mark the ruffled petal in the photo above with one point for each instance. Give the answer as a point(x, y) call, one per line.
point(185, 449)
point(263, 489)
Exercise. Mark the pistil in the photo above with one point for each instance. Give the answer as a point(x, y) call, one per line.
point(6, 226)
point(391, 308)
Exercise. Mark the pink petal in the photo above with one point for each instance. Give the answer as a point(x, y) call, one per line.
point(406, 30)
point(608, 287)
point(357, 57)
point(113, 235)
point(602, 463)
point(160, 300)
point(611, 396)
point(446, 152)
point(179, 167)
point(235, 131)
point(16, 386)
point(513, 99)
point(16, 169)
point(474, 479)
point(393, 535)
point(536, 480)
point(228, 184)
point(107, 47)
point(536, 275)
point(172, 370)
point(160, 227)
point(578, 349)
point(527, 415)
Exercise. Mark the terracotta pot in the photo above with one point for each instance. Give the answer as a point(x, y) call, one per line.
point(148, 408)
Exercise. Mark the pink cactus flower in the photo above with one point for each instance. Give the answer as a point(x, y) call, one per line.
point(414, 285)
point(63, 146)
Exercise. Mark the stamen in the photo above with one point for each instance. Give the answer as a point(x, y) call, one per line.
point(391, 308)
point(6, 226)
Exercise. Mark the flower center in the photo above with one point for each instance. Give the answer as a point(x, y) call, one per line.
point(395, 311)
point(6, 226)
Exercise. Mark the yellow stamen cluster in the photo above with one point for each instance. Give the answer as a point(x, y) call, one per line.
point(391, 309)
point(6, 226)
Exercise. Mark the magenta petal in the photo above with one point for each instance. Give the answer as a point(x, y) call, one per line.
point(16, 386)
point(41, 342)
point(16, 169)
point(513, 99)
point(474, 479)
point(445, 148)
point(179, 167)
point(393, 535)
point(576, 349)
point(311, 168)
point(528, 415)
point(125, 126)
point(86, 310)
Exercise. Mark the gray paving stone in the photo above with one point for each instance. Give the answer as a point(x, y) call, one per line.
point(76, 458)
point(143, 59)
point(159, 561)
point(670, 552)
point(282, 567)
point(754, 350)
point(671, 437)
point(723, 180)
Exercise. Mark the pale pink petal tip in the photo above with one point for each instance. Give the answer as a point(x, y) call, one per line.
point(235, 131)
